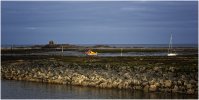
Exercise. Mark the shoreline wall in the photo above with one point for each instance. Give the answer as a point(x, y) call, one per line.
point(147, 78)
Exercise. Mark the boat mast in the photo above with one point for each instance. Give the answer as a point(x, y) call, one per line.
point(170, 44)
point(62, 49)
point(121, 52)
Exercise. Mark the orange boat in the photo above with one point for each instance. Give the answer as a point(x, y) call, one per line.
point(91, 53)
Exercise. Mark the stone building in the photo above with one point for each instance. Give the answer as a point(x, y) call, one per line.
point(51, 42)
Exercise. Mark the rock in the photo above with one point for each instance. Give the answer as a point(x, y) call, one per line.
point(190, 91)
point(127, 75)
point(179, 82)
point(115, 84)
point(186, 82)
point(144, 78)
point(157, 84)
point(144, 83)
point(192, 81)
point(167, 83)
point(136, 82)
point(152, 82)
point(152, 88)
point(120, 86)
point(183, 76)
point(161, 81)
point(189, 86)
point(172, 69)
point(138, 87)
point(167, 90)
point(146, 88)
point(103, 85)
point(175, 82)
point(156, 68)
point(175, 89)
point(182, 88)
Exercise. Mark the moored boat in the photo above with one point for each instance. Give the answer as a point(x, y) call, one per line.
point(170, 50)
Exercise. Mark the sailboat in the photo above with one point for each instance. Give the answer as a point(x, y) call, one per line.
point(170, 53)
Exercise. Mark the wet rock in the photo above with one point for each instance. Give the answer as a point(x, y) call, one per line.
point(189, 86)
point(192, 81)
point(138, 87)
point(144, 83)
point(144, 78)
point(152, 88)
point(179, 82)
point(146, 88)
point(127, 75)
point(172, 69)
point(175, 89)
point(152, 82)
point(156, 68)
point(190, 91)
point(183, 77)
point(168, 90)
point(135, 82)
point(168, 83)
point(157, 84)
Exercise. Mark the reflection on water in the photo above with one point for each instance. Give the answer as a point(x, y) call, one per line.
point(27, 90)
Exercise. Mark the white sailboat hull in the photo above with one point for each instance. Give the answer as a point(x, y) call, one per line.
point(172, 54)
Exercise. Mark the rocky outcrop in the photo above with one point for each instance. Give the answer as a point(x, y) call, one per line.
point(147, 78)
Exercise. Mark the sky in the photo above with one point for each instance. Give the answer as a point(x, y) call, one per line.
point(99, 22)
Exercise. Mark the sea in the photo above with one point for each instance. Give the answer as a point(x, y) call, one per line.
point(142, 45)
point(12, 89)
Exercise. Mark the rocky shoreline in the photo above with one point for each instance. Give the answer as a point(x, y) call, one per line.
point(149, 78)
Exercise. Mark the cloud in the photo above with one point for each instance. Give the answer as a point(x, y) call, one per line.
point(134, 9)
point(31, 28)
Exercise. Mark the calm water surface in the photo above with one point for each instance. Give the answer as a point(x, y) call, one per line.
point(11, 89)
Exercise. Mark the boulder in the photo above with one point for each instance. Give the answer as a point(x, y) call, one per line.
point(146, 88)
point(168, 83)
point(175, 89)
point(144, 83)
point(189, 86)
point(190, 91)
point(179, 82)
point(152, 82)
point(152, 88)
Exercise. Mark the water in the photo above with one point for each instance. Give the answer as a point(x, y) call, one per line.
point(76, 53)
point(142, 45)
point(11, 89)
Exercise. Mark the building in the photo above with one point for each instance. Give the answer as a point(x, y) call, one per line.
point(51, 42)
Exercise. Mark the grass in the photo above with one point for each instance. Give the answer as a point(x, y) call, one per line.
point(178, 60)
point(183, 64)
